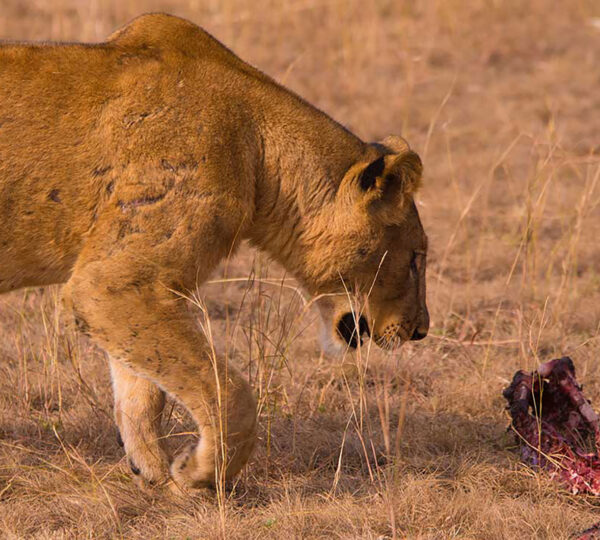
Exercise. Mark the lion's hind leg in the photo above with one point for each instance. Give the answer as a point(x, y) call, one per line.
point(138, 410)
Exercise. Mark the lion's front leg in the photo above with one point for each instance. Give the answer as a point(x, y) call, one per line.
point(138, 410)
point(127, 293)
point(153, 333)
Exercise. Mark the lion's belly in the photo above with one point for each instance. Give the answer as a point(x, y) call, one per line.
point(48, 157)
point(47, 202)
point(40, 235)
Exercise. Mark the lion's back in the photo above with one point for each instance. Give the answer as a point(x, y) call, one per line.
point(177, 37)
point(80, 121)
point(72, 115)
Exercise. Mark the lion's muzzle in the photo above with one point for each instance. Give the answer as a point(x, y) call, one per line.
point(395, 334)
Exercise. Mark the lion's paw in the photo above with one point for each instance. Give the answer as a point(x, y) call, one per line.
point(188, 472)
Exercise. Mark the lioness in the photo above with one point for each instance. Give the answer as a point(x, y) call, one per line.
point(130, 168)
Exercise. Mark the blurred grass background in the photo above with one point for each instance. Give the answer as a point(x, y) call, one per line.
point(501, 100)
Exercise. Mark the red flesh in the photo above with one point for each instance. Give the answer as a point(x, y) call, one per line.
point(553, 423)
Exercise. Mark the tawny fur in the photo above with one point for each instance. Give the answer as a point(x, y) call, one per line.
point(130, 168)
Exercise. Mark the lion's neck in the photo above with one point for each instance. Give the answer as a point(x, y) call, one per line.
point(305, 156)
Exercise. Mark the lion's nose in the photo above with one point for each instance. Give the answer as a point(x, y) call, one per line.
point(417, 335)
point(347, 329)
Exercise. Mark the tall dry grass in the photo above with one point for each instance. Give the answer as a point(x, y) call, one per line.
point(501, 100)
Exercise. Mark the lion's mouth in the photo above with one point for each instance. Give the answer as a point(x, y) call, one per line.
point(351, 330)
point(388, 343)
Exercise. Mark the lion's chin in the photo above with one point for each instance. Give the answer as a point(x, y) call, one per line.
point(331, 344)
point(388, 344)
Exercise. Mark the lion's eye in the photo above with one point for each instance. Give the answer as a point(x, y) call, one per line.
point(417, 261)
point(413, 263)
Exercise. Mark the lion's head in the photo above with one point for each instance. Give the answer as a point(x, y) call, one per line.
point(369, 244)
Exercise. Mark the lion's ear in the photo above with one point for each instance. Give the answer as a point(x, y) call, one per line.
point(396, 144)
point(369, 176)
point(387, 182)
point(406, 169)
point(392, 175)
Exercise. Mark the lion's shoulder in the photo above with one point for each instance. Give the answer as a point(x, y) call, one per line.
point(155, 28)
point(169, 33)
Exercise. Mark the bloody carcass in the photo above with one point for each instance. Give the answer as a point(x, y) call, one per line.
point(555, 425)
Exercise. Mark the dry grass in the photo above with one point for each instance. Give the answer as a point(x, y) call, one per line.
point(501, 99)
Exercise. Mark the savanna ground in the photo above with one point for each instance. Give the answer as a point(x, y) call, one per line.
point(502, 101)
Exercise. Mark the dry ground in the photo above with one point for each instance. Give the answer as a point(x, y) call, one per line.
point(502, 100)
